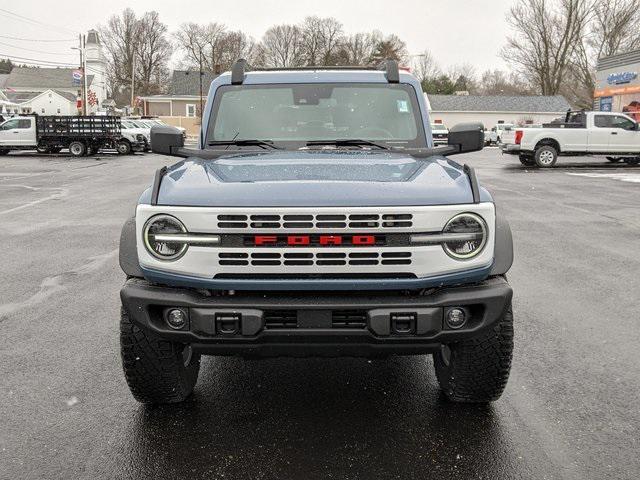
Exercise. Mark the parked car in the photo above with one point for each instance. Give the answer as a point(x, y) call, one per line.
point(497, 132)
point(613, 135)
point(440, 133)
point(52, 134)
point(153, 121)
point(137, 127)
point(286, 235)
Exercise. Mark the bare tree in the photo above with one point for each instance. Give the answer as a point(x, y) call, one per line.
point(321, 38)
point(425, 66)
point(615, 27)
point(213, 46)
point(120, 38)
point(358, 49)
point(152, 54)
point(281, 46)
point(498, 82)
point(546, 34)
point(391, 47)
point(464, 78)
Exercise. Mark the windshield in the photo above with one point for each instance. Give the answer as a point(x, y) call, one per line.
point(293, 114)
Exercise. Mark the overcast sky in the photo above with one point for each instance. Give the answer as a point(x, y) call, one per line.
point(455, 31)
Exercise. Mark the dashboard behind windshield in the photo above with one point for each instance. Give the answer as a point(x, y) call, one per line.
point(297, 113)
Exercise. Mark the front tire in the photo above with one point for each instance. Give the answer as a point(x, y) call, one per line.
point(157, 370)
point(77, 149)
point(123, 147)
point(476, 370)
point(43, 149)
point(546, 156)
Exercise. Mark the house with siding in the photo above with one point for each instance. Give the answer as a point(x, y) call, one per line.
point(493, 109)
point(181, 106)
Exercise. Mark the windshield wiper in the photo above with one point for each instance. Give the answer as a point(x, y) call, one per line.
point(245, 142)
point(342, 142)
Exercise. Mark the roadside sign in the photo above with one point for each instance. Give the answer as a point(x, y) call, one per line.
point(77, 77)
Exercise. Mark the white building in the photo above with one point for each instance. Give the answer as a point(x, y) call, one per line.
point(491, 110)
point(55, 90)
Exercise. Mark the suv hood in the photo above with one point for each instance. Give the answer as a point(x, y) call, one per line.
point(315, 179)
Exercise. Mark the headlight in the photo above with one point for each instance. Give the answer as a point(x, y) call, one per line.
point(158, 233)
point(472, 236)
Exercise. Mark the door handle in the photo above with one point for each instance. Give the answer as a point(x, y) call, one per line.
point(614, 133)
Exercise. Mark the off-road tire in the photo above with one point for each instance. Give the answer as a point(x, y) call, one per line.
point(527, 161)
point(77, 149)
point(155, 368)
point(632, 160)
point(478, 368)
point(123, 147)
point(614, 159)
point(546, 156)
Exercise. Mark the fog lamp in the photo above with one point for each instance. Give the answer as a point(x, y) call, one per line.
point(456, 318)
point(176, 319)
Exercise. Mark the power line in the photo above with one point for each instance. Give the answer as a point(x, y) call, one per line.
point(27, 60)
point(38, 39)
point(36, 22)
point(36, 51)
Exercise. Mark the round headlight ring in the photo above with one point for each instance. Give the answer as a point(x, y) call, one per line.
point(179, 228)
point(483, 228)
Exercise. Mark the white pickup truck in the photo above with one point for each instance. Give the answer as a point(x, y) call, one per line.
point(613, 135)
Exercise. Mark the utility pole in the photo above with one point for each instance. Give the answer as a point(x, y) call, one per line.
point(85, 92)
point(201, 74)
point(133, 78)
point(80, 110)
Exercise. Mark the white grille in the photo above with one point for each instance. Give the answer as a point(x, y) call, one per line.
point(320, 221)
point(307, 259)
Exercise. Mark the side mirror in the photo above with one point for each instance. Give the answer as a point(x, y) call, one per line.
point(166, 140)
point(467, 137)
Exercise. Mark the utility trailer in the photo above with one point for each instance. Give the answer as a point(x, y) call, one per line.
point(80, 134)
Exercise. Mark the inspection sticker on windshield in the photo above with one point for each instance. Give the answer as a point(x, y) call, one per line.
point(403, 106)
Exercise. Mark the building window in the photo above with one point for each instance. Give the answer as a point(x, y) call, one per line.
point(191, 109)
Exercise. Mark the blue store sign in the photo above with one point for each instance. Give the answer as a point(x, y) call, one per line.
point(622, 77)
point(605, 104)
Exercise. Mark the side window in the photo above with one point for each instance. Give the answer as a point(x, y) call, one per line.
point(25, 123)
point(191, 110)
point(10, 125)
point(622, 122)
point(602, 121)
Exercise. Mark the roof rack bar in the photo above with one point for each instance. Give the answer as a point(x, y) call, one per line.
point(155, 190)
point(391, 68)
point(237, 72)
point(473, 181)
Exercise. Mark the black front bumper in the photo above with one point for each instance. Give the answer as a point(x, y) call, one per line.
point(316, 323)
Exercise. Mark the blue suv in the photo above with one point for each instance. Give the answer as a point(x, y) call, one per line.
point(316, 218)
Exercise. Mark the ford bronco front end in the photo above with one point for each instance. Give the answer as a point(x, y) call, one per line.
point(316, 219)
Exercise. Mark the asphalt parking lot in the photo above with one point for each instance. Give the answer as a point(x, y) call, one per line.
point(570, 410)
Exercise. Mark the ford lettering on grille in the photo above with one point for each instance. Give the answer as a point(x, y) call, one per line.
point(356, 240)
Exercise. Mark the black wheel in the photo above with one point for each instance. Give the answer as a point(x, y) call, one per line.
point(614, 159)
point(43, 149)
point(477, 369)
point(157, 370)
point(3, 151)
point(546, 156)
point(632, 160)
point(527, 161)
point(77, 149)
point(123, 147)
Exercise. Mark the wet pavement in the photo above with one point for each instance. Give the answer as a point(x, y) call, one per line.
point(569, 412)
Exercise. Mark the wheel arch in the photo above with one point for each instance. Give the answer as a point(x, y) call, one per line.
point(503, 256)
point(128, 254)
point(548, 142)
